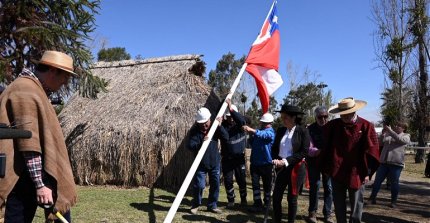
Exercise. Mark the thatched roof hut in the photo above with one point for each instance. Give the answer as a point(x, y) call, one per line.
point(135, 134)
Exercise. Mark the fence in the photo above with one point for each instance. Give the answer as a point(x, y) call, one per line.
point(413, 147)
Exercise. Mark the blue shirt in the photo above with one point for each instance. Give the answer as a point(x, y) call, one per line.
point(261, 145)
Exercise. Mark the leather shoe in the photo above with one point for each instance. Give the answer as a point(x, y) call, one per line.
point(230, 204)
point(328, 219)
point(312, 217)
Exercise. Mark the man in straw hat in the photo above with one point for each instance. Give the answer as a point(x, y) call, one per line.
point(350, 152)
point(38, 170)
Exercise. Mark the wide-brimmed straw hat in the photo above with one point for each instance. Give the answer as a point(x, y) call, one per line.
point(346, 106)
point(58, 60)
point(291, 109)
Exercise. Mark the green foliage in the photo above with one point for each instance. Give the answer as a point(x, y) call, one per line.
point(254, 114)
point(273, 106)
point(419, 20)
point(113, 54)
point(28, 28)
point(390, 108)
point(221, 79)
point(308, 97)
point(395, 49)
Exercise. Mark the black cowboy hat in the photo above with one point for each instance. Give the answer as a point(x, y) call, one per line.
point(290, 109)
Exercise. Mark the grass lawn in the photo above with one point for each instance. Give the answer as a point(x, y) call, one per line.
point(112, 204)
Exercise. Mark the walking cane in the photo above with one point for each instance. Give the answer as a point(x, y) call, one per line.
point(274, 175)
point(54, 211)
point(59, 215)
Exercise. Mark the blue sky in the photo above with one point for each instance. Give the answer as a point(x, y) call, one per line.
point(332, 38)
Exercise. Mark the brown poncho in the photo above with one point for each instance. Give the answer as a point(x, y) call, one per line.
point(25, 102)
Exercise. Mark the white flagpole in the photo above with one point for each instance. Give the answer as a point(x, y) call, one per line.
point(192, 171)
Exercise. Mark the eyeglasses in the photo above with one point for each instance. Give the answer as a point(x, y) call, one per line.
point(322, 116)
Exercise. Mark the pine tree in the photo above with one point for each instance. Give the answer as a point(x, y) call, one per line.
point(29, 27)
point(113, 54)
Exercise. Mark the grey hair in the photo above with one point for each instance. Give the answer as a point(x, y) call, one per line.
point(319, 110)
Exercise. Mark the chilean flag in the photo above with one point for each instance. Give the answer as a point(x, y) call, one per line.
point(263, 58)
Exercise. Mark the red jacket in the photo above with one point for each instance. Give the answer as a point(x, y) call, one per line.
point(350, 152)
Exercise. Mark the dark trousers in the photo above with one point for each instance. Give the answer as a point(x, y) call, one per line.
point(236, 168)
point(356, 202)
point(283, 180)
point(314, 174)
point(21, 203)
point(265, 173)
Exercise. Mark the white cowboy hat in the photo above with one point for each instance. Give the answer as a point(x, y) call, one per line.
point(346, 106)
point(58, 60)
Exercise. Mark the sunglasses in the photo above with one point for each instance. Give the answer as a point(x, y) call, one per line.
point(322, 116)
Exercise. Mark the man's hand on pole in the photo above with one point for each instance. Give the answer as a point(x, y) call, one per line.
point(44, 196)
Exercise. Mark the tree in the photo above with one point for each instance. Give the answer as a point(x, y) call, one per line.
point(253, 113)
point(402, 53)
point(419, 21)
point(308, 97)
point(221, 79)
point(113, 54)
point(28, 28)
point(393, 43)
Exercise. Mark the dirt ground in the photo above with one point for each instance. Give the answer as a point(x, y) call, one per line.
point(413, 202)
point(413, 205)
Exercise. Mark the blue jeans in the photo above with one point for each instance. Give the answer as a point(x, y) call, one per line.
point(200, 183)
point(314, 175)
point(393, 173)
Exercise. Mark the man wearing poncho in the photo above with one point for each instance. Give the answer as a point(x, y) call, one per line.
point(350, 154)
point(38, 170)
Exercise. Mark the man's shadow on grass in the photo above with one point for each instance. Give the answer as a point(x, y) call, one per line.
point(162, 203)
point(371, 218)
point(151, 207)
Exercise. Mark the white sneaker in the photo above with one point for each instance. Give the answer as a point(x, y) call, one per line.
point(194, 210)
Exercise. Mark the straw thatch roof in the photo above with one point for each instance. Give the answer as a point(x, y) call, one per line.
point(135, 134)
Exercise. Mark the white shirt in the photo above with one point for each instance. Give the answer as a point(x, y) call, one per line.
point(286, 147)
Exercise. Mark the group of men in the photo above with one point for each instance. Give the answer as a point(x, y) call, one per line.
point(38, 171)
point(341, 154)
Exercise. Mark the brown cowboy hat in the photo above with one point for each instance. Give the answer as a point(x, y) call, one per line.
point(58, 60)
point(346, 106)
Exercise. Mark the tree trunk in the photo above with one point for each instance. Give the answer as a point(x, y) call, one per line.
point(422, 92)
point(422, 109)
